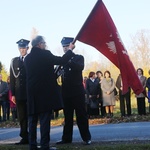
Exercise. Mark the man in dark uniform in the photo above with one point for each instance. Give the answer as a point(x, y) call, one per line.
point(99, 78)
point(42, 90)
point(125, 99)
point(74, 97)
point(18, 88)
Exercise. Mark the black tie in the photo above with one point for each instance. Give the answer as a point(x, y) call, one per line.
point(22, 58)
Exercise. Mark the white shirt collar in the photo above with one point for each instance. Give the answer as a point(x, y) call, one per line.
point(23, 57)
point(139, 76)
point(92, 79)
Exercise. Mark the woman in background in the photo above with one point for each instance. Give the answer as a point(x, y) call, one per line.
point(12, 104)
point(148, 86)
point(99, 77)
point(141, 97)
point(93, 93)
point(108, 86)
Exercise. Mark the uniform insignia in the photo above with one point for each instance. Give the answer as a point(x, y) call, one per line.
point(13, 71)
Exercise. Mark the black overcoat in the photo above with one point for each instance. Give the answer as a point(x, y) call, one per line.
point(92, 88)
point(42, 89)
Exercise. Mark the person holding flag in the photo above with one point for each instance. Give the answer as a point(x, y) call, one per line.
point(74, 97)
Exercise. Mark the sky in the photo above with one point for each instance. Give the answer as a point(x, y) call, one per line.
point(55, 19)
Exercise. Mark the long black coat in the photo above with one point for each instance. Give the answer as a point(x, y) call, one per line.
point(92, 88)
point(18, 79)
point(42, 89)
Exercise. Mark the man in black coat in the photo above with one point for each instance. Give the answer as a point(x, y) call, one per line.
point(74, 97)
point(125, 99)
point(18, 88)
point(3, 97)
point(99, 78)
point(42, 90)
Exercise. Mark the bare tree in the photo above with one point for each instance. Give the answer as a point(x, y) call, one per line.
point(141, 49)
point(3, 71)
point(34, 33)
point(0, 67)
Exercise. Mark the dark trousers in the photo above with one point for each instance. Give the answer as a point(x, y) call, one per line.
point(14, 113)
point(7, 110)
point(102, 109)
point(0, 113)
point(77, 104)
point(23, 119)
point(3, 105)
point(141, 106)
point(44, 130)
point(55, 114)
point(125, 100)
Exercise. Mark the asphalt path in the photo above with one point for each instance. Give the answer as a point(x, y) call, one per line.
point(103, 132)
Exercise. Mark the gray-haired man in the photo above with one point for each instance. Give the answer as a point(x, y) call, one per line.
point(42, 89)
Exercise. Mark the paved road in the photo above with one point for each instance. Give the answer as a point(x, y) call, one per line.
point(105, 132)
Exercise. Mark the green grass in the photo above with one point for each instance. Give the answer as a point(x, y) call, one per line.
point(134, 145)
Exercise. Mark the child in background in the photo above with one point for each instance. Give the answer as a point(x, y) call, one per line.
point(12, 104)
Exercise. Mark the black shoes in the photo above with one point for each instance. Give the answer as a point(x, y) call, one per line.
point(22, 142)
point(88, 142)
point(53, 148)
point(63, 142)
point(39, 148)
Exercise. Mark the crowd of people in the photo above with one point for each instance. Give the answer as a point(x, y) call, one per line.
point(32, 93)
point(100, 93)
point(7, 107)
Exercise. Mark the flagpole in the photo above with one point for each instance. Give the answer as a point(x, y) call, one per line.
point(98, 1)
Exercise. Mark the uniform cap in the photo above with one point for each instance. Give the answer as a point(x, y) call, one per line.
point(66, 41)
point(23, 43)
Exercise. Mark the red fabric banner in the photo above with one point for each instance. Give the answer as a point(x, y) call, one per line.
point(100, 32)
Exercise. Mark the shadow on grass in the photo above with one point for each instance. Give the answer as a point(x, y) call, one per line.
point(127, 145)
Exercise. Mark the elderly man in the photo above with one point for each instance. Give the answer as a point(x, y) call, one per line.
point(42, 89)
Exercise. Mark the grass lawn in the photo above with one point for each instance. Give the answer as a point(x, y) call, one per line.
point(134, 145)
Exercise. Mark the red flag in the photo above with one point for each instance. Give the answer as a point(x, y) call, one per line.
point(100, 32)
